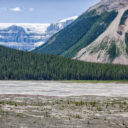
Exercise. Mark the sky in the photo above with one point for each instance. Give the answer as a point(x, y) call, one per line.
point(41, 11)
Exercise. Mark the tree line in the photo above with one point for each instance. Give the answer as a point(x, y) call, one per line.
point(19, 65)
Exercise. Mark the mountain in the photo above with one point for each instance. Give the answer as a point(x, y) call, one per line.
point(29, 36)
point(23, 36)
point(55, 27)
point(98, 35)
point(20, 65)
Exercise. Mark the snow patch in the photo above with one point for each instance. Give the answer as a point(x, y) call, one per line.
point(38, 44)
point(70, 18)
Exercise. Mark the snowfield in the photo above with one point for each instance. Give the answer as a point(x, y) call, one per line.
point(34, 28)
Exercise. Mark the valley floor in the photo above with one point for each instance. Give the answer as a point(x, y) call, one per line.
point(28, 111)
point(45, 104)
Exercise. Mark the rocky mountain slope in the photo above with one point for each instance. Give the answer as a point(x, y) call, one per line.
point(98, 35)
point(112, 44)
point(29, 36)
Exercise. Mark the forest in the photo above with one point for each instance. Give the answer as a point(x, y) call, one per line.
point(19, 65)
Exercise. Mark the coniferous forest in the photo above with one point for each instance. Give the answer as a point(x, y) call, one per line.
point(19, 65)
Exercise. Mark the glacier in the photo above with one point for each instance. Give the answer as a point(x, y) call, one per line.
point(27, 36)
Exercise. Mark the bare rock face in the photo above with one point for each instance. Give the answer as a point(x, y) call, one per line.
point(112, 45)
point(109, 5)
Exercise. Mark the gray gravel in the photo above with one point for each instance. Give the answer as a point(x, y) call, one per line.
point(52, 88)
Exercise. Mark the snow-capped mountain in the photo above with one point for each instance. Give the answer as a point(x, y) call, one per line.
point(25, 36)
point(55, 27)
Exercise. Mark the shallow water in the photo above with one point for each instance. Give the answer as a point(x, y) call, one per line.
point(52, 88)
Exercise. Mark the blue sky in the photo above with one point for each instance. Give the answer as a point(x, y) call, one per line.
point(41, 11)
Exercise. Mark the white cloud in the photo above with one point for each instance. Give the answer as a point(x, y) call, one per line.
point(31, 9)
point(17, 9)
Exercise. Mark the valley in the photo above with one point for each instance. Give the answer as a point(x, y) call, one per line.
point(69, 74)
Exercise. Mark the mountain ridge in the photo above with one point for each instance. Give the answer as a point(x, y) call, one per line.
point(112, 34)
point(103, 39)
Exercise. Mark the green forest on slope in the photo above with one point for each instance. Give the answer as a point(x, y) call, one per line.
point(124, 18)
point(19, 65)
point(78, 35)
point(126, 41)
